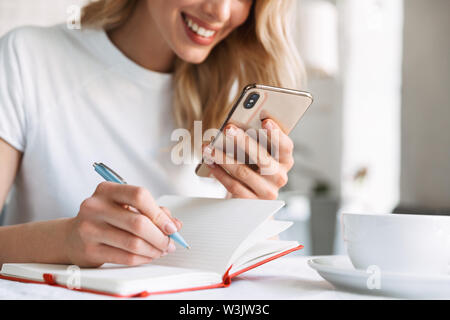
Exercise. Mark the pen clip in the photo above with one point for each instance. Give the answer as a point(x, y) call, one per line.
point(110, 171)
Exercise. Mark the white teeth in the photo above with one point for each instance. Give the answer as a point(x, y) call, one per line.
point(199, 30)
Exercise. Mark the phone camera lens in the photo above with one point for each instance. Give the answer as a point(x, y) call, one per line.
point(251, 100)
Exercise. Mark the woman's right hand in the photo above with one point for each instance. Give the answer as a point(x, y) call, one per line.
point(107, 230)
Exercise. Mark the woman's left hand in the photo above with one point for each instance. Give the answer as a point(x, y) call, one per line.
point(272, 163)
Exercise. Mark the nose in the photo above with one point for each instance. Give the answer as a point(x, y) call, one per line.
point(217, 10)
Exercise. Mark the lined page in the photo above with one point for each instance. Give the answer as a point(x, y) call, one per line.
point(265, 231)
point(214, 228)
point(262, 251)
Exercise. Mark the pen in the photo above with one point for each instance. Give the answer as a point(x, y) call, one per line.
point(109, 175)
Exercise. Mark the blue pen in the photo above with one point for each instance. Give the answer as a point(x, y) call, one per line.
point(109, 175)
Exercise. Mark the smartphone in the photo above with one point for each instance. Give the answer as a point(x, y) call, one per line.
point(258, 102)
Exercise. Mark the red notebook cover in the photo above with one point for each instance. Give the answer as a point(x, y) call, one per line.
point(49, 279)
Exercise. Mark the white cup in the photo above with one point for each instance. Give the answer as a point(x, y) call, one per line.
point(402, 243)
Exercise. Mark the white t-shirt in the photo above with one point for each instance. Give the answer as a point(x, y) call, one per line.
point(69, 98)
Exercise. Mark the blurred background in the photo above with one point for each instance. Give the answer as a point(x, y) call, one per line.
point(377, 138)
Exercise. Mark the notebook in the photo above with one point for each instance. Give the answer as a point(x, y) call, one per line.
point(227, 237)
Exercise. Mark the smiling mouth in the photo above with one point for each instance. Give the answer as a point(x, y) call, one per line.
point(198, 30)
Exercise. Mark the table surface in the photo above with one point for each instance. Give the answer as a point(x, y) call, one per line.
point(285, 278)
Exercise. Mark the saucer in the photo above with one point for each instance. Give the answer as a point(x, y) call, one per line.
point(339, 271)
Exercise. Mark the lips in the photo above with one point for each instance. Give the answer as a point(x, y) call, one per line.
point(198, 31)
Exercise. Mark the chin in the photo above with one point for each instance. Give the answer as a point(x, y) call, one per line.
point(194, 56)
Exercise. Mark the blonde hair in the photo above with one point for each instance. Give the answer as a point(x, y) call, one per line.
point(261, 50)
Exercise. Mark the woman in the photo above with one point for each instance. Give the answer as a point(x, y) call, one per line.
point(114, 91)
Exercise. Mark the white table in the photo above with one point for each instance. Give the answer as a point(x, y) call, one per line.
point(285, 278)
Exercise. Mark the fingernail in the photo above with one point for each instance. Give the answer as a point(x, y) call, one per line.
point(177, 220)
point(170, 228)
point(164, 254)
point(171, 248)
point(209, 160)
point(268, 124)
point(207, 150)
point(212, 165)
point(231, 131)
